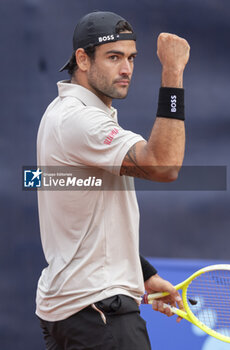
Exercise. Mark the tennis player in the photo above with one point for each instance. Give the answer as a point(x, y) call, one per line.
point(88, 295)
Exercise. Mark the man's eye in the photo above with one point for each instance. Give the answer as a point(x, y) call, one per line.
point(113, 58)
point(131, 58)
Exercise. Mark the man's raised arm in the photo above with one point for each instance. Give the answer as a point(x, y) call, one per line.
point(161, 157)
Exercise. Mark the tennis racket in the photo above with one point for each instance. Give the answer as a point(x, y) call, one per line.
point(206, 299)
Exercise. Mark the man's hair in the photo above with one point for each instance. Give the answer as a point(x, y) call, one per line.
point(90, 51)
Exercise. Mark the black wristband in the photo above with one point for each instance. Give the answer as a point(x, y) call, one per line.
point(147, 269)
point(171, 103)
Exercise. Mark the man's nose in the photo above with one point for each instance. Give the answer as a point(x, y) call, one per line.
point(126, 67)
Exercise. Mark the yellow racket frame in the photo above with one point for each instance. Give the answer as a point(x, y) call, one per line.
point(187, 314)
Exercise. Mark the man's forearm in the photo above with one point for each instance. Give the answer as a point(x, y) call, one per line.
point(167, 139)
point(166, 144)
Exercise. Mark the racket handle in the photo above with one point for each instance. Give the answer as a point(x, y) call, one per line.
point(147, 298)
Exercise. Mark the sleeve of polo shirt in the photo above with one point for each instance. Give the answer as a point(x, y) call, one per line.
point(91, 137)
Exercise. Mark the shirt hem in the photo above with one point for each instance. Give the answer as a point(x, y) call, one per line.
point(53, 317)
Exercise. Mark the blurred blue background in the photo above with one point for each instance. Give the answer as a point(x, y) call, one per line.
point(36, 39)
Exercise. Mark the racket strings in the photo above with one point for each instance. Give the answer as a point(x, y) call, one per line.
point(208, 298)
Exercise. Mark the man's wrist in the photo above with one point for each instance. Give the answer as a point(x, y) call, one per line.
point(172, 77)
point(171, 103)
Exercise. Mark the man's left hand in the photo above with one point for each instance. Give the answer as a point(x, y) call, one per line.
point(157, 284)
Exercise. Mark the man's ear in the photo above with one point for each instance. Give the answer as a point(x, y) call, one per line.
point(82, 60)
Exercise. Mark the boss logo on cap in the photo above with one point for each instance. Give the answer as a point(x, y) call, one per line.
point(105, 38)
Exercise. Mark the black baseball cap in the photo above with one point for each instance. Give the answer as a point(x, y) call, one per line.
point(97, 28)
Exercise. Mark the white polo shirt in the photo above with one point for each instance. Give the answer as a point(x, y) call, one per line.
point(90, 238)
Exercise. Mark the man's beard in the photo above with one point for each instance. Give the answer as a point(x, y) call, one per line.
point(99, 83)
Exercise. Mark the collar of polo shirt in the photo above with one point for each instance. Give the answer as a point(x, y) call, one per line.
point(88, 98)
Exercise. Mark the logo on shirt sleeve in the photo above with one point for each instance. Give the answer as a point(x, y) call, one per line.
point(111, 136)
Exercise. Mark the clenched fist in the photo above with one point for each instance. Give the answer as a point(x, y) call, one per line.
point(173, 53)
